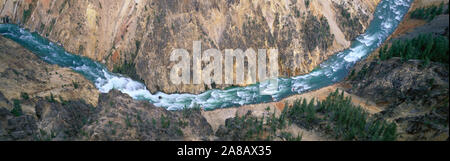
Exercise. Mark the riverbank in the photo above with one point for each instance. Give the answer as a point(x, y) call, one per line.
point(217, 117)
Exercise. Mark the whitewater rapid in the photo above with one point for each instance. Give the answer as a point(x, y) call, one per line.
point(387, 16)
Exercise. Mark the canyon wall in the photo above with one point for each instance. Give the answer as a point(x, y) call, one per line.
point(24, 75)
point(136, 37)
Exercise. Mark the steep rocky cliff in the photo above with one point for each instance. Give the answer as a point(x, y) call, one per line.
point(117, 117)
point(411, 92)
point(137, 37)
point(23, 74)
point(38, 98)
point(414, 96)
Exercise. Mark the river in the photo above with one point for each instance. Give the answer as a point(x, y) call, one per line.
point(387, 16)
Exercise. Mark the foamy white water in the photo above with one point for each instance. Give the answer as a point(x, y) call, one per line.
point(386, 18)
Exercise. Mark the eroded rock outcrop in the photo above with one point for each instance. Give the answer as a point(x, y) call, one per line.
point(414, 96)
point(38, 99)
point(119, 117)
point(137, 37)
point(23, 74)
point(413, 93)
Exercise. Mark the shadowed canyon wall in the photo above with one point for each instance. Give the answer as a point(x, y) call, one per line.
point(136, 37)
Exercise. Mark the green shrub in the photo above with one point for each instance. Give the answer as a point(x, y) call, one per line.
point(17, 109)
point(63, 102)
point(423, 47)
point(179, 132)
point(128, 121)
point(186, 111)
point(428, 13)
point(165, 122)
point(24, 96)
point(75, 84)
point(27, 13)
point(289, 137)
point(51, 99)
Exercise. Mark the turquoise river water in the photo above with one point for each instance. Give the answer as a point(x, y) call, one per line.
point(387, 16)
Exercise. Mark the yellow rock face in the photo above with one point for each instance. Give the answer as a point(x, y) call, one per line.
point(145, 32)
